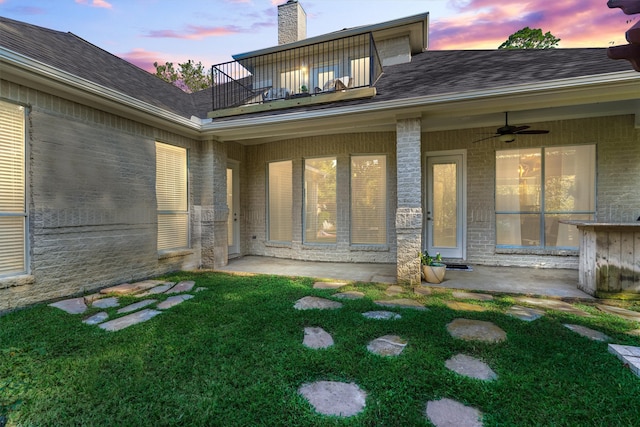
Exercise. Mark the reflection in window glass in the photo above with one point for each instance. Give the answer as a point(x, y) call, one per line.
point(368, 200)
point(528, 212)
point(320, 200)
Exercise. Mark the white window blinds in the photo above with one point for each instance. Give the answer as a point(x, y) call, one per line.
point(171, 195)
point(368, 200)
point(12, 190)
point(280, 201)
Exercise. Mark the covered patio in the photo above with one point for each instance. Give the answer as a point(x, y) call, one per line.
point(559, 283)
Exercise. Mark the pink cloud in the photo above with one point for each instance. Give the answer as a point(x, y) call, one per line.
point(485, 24)
point(96, 3)
point(142, 58)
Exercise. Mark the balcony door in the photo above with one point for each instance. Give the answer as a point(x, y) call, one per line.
point(446, 213)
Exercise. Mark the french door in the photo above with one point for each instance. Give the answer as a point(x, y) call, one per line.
point(446, 212)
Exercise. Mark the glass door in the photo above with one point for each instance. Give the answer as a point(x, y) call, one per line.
point(233, 203)
point(445, 213)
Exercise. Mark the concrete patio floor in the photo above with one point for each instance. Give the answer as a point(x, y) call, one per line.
point(516, 280)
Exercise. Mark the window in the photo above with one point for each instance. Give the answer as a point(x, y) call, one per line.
point(13, 212)
point(280, 201)
point(320, 200)
point(171, 194)
point(536, 188)
point(361, 71)
point(368, 200)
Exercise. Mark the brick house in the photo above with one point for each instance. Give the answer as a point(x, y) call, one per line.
point(354, 146)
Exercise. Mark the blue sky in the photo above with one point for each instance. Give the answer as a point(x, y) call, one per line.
point(210, 31)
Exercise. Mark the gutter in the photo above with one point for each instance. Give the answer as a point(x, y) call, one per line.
point(118, 101)
point(432, 100)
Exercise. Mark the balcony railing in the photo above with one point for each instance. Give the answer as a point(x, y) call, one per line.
point(311, 70)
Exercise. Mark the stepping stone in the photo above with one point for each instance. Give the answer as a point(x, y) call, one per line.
point(463, 306)
point(422, 290)
point(106, 302)
point(451, 413)
point(388, 345)
point(349, 295)
point(470, 367)
point(394, 290)
point(200, 289)
point(629, 355)
point(173, 301)
point(96, 318)
point(382, 315)
point(184, 286)
point(71, 306)
point(553, 305)
point(525, 313)
point(131, 288)
point(472, 295)
point(334, 398)
point(310, 303)
point(317, 338)
point(128, 320)
point(476, 330)
point(588, 332)
point(401, 303)
point(621, 312)
point(136, 306)
point(329, 285)
point(157, 289)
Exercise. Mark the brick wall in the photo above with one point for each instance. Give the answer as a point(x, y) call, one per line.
point(92, 204)
point(253, 199)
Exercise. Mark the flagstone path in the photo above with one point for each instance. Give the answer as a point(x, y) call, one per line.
point(133, 313)
point(348, 399)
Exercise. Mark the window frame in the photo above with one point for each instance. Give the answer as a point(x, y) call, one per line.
point(384, 200)
point(268, 198)
point(304, 201)
point(186, 213)
point(542, 212)
point(24, 214)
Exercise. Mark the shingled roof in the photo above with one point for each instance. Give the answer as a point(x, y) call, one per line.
point(70, 53)
point(429, 73)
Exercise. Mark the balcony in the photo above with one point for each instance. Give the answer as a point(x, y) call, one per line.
point(333, 70)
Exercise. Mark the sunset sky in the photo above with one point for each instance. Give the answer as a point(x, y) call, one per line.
point(210, 31)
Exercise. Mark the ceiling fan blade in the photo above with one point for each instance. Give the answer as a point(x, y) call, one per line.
point(517, 129)
point(485, 138)
point(532, 132)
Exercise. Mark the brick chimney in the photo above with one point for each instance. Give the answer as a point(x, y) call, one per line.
point(292, 22)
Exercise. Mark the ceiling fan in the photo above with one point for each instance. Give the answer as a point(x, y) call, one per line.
point(507, 133)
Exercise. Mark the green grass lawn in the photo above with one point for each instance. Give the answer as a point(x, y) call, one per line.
point(233, 356)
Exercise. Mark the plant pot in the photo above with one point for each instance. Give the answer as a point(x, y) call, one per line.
point(434, 273)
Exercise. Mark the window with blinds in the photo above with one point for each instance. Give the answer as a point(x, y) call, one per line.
point(13, 214)
point(280, 201)
point(369, 200)
point(171, 195)
point(320, 201)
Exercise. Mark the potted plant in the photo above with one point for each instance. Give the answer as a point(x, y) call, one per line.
point(433, 268)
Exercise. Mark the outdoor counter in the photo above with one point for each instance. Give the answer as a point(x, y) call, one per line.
point(609, 263)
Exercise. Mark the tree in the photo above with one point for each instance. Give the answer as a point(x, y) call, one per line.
point(190, 77)
point(528, 38)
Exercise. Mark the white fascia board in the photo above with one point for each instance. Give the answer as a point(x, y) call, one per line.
point(568, 86)
point(94, 90)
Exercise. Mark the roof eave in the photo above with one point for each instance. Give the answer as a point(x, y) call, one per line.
point(24, 70)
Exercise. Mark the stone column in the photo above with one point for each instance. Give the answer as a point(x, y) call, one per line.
point(409, 204)
point(215, 247)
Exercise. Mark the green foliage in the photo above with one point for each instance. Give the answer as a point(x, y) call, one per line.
point(233, 356)
point(426, 259)
point(528, 38)
point(189, 76)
